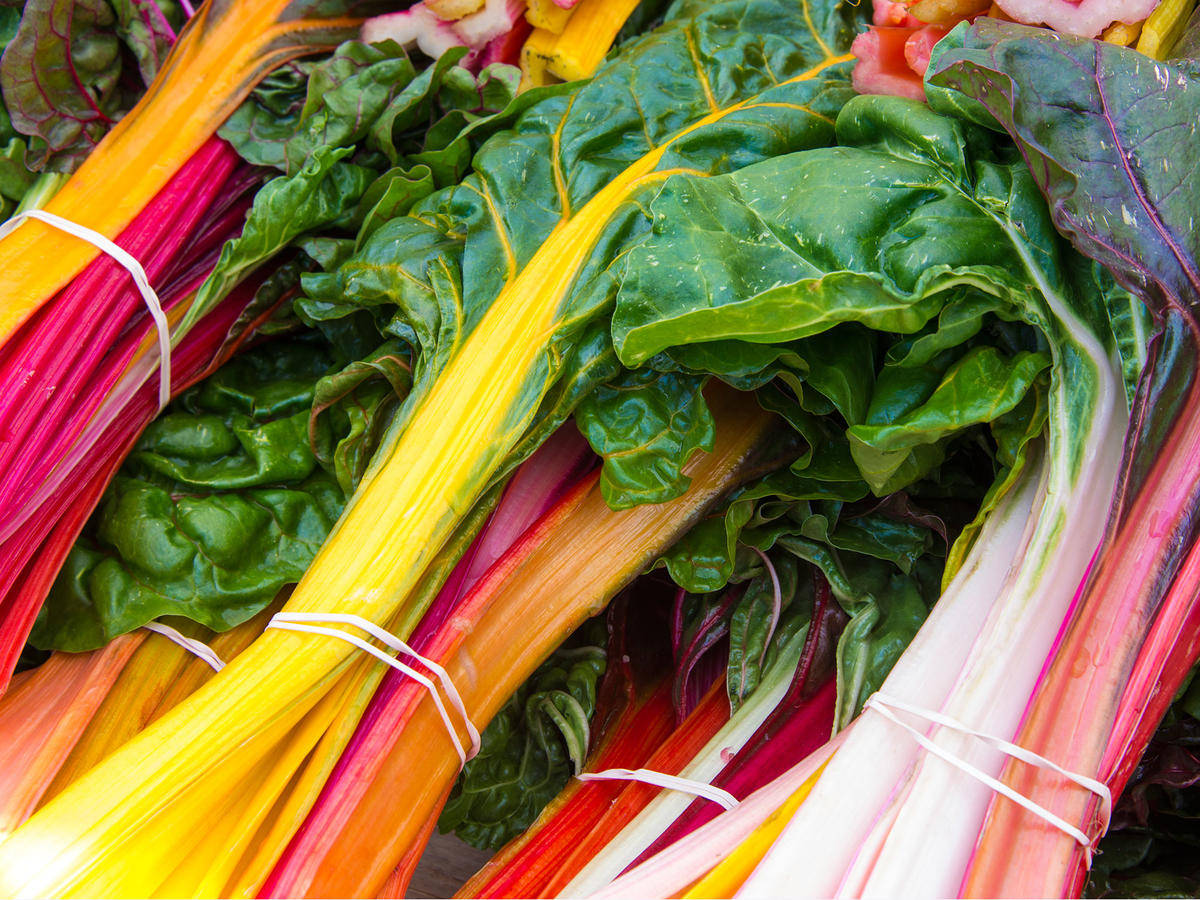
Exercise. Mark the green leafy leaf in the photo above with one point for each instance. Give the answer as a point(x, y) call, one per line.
point(645, 425)
point(530, 749)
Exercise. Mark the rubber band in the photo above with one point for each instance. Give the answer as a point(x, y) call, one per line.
point(672, 782)
point(199, 648)
point(135, 270)
point(880, 703)
point(299, 622)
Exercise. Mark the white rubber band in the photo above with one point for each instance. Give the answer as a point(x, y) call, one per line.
point(199, 648)
point(672, 782)
point(135, 270)
point(881, 702)
point(300, 622)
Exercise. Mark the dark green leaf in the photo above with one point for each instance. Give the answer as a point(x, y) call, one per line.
point(530, 749)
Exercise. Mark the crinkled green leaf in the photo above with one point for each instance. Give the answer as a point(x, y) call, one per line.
point(530, 749)
point(772, 71)
point(260, 128)
point(645, 425)
point(893, 450)
point(228, 495)
point(751, 636)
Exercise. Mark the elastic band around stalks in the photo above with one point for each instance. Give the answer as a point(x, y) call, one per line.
point(135, 270)
point(198, 648)
point(880, 703)
point(672, 782)
point(299, 622)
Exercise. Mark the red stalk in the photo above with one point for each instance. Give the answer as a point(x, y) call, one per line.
point(709, 716)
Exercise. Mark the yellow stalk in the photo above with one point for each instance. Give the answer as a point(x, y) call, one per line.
point(227, 645)
point(548, 15)
point(536, 54)
point(587, 37)
point(225, 49)
point(1122, 34)
point(205, 872)
point(1163, 29)
point(731, 873)
point(405, 509)
point(158, 675)
point(211, 842)
point(145, 856)
point(260, 858)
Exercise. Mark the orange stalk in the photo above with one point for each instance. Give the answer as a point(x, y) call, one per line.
point(42, 717)
point(710, 714)
point(527, 863)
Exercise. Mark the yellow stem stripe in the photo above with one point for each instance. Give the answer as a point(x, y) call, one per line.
point(405, 509)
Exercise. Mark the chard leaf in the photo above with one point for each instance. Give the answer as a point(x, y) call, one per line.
point(59, 76)
point(214, 558)
point(346, 93)
point(1119, 184)
point(715, 88)
point(1104, 129)
point(319, 195)
point(148, 28)
point(645, 425)
point(894, 450)
point(360, 399)
point(229, 494)
point(530, 749)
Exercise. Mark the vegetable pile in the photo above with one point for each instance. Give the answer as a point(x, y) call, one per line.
point(789, 402)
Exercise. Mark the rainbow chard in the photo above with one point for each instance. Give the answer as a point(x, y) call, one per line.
point(908, 172)
point(1111, 138)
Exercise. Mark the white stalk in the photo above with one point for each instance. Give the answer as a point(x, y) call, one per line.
point(820, 843)
point(890, 819)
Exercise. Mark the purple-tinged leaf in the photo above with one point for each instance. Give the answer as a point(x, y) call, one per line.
point(1112, 137)
point(59, 78)
point(149, 29)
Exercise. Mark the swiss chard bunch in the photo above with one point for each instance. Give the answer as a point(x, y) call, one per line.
point(229, 496)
